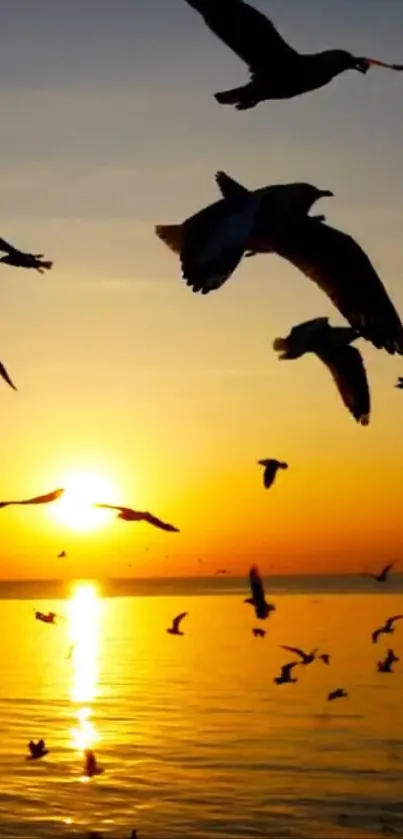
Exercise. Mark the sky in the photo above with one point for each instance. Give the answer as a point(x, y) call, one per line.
point(134, 391)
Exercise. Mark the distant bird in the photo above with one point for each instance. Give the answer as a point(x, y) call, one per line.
point(259, 633)
point(339, 693)
point(345, 364)
point(306, 658)
point(386, 664)
point(271, 468)
point(49, 618)
point(220, 572)
point(174, 629)
point(62, 555)
point(399, 383)
point(258, 599)
point(285, 676)
point(325, 657)
point(91, 766)
point(383, 575)
point(39, 499)
point(37, 750)
point(277, 71)
point(386, 629)
point(4, 375)
point(127, 514)
point(19, 259)
point(72, 647)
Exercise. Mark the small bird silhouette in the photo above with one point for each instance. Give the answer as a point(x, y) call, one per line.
point(386, 664)
point(258, 599)
point(174, 629)
point(386, 629)
point(339, 693)
point(383, 575)
point(277, 70)
point(271, 468)
point(37, 750)
point(220, 572)
point(306, 658)
point(49, 618)
point(39, 499)
point(91, 766)
point(285, 676)
point(127, 514)
point(399, 383)
point(62, 555)
point(259, 633)
point(19, 259)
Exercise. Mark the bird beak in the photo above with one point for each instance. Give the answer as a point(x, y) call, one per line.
point(326, 193)
point(363, 64)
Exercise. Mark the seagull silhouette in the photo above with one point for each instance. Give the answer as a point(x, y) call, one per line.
point(383, 575)
point(259, 633)
point(127, 514)
point(386, 629)
point(91, 766)
point(49, 618)
point(344, 363)
point(285, 676)
point(37, 750)
point(399, 383)
point(271, 468)
point(174, 629)
point(39, 499)
point(277, 70)
point(306, 658)
point(62, 555)
point(386, 664)
point(339, 693)
point(19, 259)
point(258, 599)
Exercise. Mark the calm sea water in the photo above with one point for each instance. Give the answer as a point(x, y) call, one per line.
point(195, 738)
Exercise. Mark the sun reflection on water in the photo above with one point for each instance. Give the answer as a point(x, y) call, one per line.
point(83, 616)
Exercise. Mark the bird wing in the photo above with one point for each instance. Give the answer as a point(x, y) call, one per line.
point(286, 668)
point(215, 239)
point(376, 634)
point(42, 499)
point(295, 650)
point(4, 375)
point(347, 369)
point(390, 621)
point(176, 621)
point(148, 517)
point(269, 474)
point(339, 266)
point(246, 31)
point(7, 248)
point(388, 568)
point(112, 507)
point(256, 584)
point(228, 187)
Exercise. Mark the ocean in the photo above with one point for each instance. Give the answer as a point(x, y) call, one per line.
point(195, 738)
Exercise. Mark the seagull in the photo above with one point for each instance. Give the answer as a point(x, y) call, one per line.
point(306, 658)
point(383, 575)
point(19, 259)
point(339, 693)
point(62, 555)
point(345, 364)
point(91, 766)
point(4, 375)
point(277, 71)
point(174, 629)
point(399, 383)
point(386, 664)
point(39, 499)
point(285, 674)
point(259, 633)
point(49, 618)
point(271, 468)
point(37, 750)
point(386, 629)
point(127, 514)
point(258, 599)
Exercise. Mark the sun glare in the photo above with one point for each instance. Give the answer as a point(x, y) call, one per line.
point(75, 509)
point(83, 617)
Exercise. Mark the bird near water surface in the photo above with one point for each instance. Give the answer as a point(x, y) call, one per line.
point(339, 693)
point(306, 658)
point(174, 629)
point(285, 676)
point(127, 514)
point(383, 575)
point(37, 750)
point(277, 70)
point(387, 629)
point(258, 600)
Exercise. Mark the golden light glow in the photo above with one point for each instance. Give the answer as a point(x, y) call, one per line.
point(83, 616)
point(76, 506)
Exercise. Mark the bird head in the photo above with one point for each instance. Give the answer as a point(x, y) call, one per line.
point(280, 345)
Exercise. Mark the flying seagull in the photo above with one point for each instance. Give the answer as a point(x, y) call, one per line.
point(271, 468)
point(277, 71)
point(62, 555)
point(383, 575)
point(306, 658)
point(49, 618)
point(345, 364)
point(386, 664)
point(174, 629)
point(23, 260)
point(37, 750)
point(386, 629)
point(339, 693)
point(285, 676)
point(399, 383)
point(258, 599)
point(127, 514)
point(258, 633)
point(39, 499)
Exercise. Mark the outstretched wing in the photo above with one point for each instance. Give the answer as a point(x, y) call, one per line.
point(43, 499)
point(347, 369)
point(176, 621)
point(339, 266)
point(5, 246)
point(246, 31)
point(113, 507)
point(228, 187)
point(376, 634)
point(295, 650)
point(269, 474)
point(390, 621)
point(148, 517)
point(256, 584)
point(286, 669)
point(4, 375)
point(388, 568)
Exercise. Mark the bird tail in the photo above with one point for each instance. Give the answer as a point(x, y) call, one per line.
point(283, 465)
point(171, 235)
point(231, 97)
point(280, 344)
point(46, 264)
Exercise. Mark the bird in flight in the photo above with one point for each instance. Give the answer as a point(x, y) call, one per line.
point(220, 572)
point(174, 629)
point(271, 468)
point(285, 676)
point(4, 375)
point(39, 499)
point(91, 766)
point(399, 383)
point(49, 618)
point(19, 259)
point(383, 575)
point(306, 658)
point(37, 750)
point(127, 514)
point(277, 70)
point(339, 693)
point(62, 555)
point(386, 664)
point(345, 364)
point(387, 629)
point(258, 633)
point(258, 599)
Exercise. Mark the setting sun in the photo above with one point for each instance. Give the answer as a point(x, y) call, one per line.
point(76, 507)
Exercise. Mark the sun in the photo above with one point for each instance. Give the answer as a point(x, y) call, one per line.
point(75, 509)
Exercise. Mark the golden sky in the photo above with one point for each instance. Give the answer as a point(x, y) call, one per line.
point(128, 383)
